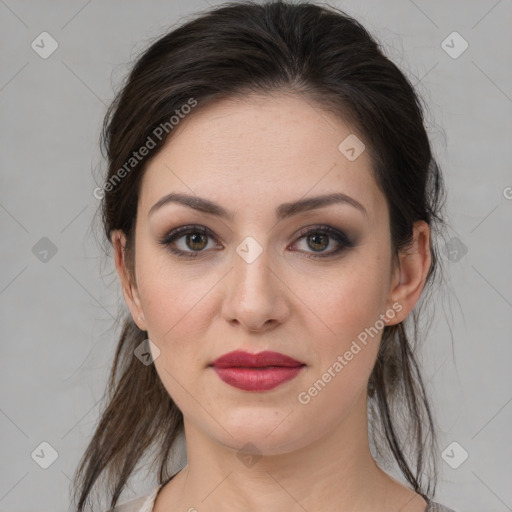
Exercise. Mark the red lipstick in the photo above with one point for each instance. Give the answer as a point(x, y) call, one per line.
point(256, 372)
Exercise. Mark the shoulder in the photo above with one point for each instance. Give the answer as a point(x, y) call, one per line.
point(143, 503)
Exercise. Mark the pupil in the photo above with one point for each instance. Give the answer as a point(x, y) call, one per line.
point(316, 241)
point(196, 238)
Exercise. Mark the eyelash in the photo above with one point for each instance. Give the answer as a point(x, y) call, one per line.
point(178, 233)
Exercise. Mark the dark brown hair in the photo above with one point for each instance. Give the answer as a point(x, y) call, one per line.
point(330, 59)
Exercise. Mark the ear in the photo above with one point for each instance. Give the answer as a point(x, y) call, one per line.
point(130, 292)
point(410, 275)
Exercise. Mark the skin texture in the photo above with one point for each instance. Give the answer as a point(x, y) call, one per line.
point(251, 156)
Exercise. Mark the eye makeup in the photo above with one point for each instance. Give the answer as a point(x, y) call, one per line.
point(200, 236)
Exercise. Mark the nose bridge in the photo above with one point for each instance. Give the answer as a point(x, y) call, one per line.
point(253, 296)
point(252, 271)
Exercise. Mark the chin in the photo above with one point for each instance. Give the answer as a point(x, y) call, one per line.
point(263, 437)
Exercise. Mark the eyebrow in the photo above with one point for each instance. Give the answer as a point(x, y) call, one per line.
point(283, 211)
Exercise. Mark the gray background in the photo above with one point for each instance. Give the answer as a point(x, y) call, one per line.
point(57, 315)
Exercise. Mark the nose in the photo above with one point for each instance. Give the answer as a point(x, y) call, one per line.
point(255, 295)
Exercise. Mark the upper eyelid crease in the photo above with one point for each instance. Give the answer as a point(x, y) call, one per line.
point(284, 211)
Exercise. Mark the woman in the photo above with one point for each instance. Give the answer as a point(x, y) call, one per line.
point(271, 200)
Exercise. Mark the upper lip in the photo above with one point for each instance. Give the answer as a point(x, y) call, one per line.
point(239, 358)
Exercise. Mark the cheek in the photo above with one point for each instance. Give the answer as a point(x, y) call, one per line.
point(344, 319)
point(178, 308)
point(346, 355)
point(177, 314)
point(177, 317)
point(347, 301)
point(171, 293)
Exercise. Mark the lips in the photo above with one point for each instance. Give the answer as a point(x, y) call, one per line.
point(242, 359)
point(256, 372)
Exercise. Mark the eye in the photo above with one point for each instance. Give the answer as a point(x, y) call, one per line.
point(191, 241)
point(320, 238)
point(194, 238)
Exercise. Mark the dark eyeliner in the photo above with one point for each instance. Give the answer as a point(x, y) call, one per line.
point(337, 235)
point(178, 233)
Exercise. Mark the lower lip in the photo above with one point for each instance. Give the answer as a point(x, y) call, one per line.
point(257, 379)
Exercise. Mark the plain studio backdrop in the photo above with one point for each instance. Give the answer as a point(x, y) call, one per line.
point(58, 299)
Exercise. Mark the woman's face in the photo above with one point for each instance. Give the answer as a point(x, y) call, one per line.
point(256, 281)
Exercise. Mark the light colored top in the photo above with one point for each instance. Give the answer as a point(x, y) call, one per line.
point(145, 503)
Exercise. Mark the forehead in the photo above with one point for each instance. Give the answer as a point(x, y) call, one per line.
point(273, 147)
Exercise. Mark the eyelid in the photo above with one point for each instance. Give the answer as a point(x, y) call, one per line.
point(338, 235)
point(334, 233)
point(176, 232)
point(179, 232)
point(324, 228)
